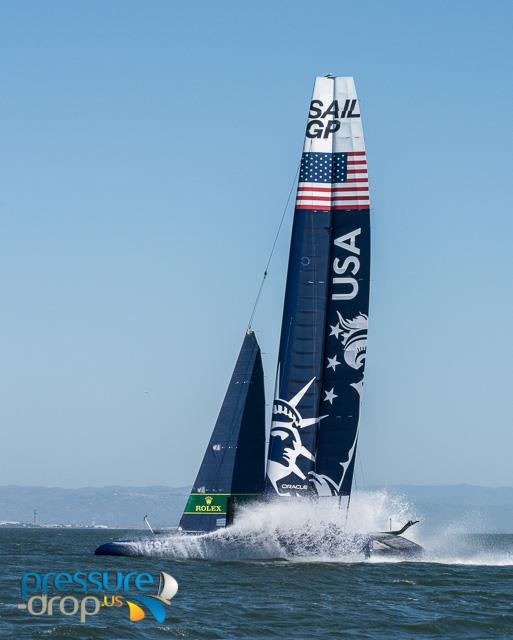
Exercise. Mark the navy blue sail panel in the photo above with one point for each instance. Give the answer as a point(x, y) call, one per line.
point(233, 464)
point(345, 352)
point(294, 420)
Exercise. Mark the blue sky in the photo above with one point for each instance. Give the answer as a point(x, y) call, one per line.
point(147, 152)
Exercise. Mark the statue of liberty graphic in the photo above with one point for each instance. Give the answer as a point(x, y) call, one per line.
point(285, 439)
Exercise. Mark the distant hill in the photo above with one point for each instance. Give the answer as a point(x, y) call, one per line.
point(483, 509)
point(112, 506)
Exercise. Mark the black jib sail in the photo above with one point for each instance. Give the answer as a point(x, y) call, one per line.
point(233, 465)
point(321, 359)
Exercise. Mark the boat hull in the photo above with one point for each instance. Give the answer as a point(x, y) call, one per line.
point(282, 546)
point(121, 548)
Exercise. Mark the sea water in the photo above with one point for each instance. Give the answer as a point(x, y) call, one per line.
point(242, 583)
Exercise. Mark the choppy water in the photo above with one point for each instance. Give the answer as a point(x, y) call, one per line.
point(463, 588)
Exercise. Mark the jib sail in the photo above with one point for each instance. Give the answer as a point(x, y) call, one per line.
point(323, 341)
point(233, 464)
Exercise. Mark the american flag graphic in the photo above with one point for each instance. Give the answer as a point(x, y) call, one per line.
point(332, 181)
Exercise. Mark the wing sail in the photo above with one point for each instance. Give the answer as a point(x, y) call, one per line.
point(324, 329)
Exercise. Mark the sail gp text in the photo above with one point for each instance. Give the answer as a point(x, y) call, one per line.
point(319, 127)
point(62, 593)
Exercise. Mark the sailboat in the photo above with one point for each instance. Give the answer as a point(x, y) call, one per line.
point(323, 344)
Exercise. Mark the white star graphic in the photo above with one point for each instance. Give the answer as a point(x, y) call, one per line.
point(330, 395)
point(333, 362)
point(335, 330)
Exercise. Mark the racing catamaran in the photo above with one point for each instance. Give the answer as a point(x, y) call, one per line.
point(323, 344)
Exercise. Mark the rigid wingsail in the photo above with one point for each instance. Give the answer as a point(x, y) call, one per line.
point(323, 342)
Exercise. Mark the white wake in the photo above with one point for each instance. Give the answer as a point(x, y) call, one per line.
point(301, 529)
point(319, 531)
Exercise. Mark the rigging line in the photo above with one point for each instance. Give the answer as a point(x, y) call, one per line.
point(361, 469)
point(257, 299)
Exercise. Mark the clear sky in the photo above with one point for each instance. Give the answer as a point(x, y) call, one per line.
point(147, 149)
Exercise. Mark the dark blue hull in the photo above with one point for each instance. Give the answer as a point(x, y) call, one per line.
point(335, 544)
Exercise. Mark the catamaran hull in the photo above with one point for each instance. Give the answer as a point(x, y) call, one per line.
point(282, 546)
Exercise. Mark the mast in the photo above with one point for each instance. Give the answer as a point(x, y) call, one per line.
point(324, 329)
